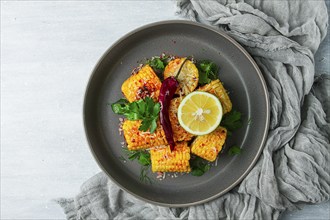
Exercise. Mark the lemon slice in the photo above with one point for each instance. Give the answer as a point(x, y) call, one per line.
point(200, 113)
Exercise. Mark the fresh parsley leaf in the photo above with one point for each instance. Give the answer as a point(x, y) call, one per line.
point(153, 125)
point(156, 63)
point(198, 166)
point(149, 106)
point(144, 109)
point(197, 172)
point(132, 155)
point(232, 120)
point(203, 79)
point(207, 71)
point(144, 159)
point(234, 150)
point(134, 108)
point(141, 105)
point(159, 63)
point(144, 175)
point(156, 109)
point(146, 123)
point(207, 168)
point(120, 107)
point(142, 156)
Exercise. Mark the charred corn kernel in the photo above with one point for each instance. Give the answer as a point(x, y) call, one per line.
point(179, 134)
point(208, 146)
point(216, 88)
point(142, 84)
point(188, 77)
point(137, 139)
point(165, 160)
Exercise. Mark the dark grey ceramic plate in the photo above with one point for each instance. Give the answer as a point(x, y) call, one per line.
point(241, 77)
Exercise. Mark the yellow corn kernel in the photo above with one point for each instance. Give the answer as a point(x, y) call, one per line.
point(216, 88)
point(142, 84)
point(165, 160)
point(137, 139)
point(208, 146)
point(179, 134)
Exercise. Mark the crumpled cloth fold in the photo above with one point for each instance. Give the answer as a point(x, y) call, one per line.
point(282, 37)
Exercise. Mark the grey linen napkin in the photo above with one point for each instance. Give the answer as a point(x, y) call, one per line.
point(283, 37)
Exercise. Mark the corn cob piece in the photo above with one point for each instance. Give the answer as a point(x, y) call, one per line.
point(142, 84)
point(216, 88)
point(188, 77)
point(137, 139)
point(165, 160)
point(179, 134)
point(208, 146)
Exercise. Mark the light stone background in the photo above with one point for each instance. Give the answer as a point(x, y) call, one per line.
point(48, 50)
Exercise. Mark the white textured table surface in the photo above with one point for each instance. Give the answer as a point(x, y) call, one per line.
point(48, 50)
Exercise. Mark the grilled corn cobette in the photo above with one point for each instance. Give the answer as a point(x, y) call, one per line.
point(216, 88)
point(137, 140)
point(142, 84)
point(208, 146)
point(188, 77)
point(165, 160)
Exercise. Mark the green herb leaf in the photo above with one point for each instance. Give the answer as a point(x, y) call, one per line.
point(197, 172)
point(232, 120)
point(199, 166)
point(156, 63)
point(141, 105)
point(207, 71)
point(203, 79)
point(144, 159)
point(120, 107)
point(134, 107)
point(144, 175)
point(156, 109)
point(149, 106)
point(207, 167)
point(142, 156)
point(144, 109)
point(132, 155)
point(234, 150)
point(153, 125)
point(145, 124)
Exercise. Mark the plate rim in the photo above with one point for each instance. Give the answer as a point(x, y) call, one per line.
point(238, 46)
